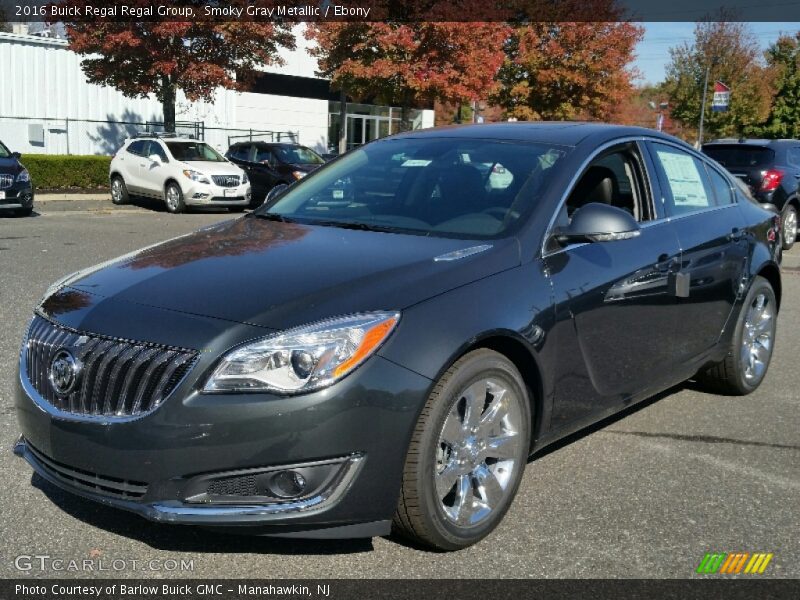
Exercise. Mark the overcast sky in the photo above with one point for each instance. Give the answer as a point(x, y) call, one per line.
point(653, 51)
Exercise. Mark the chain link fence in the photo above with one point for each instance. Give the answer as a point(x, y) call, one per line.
point(47, 135)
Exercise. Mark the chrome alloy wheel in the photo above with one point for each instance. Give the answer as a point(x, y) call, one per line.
point(478, 452)
point(116, 190)
point(758, 338)
point(790, 226)
point(173, 197)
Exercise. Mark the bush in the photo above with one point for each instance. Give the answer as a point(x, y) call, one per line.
point(49, 172)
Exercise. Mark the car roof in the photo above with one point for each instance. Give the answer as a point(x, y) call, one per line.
point(566, 133)
point(750, 142)
point(267, 144)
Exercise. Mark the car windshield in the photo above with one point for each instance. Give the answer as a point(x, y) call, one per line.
point(298, 155)
point(434, 186)
point(4, 152)
point(740, 155)
point(194, 152)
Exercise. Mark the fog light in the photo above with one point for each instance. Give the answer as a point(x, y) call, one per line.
point(288, 484)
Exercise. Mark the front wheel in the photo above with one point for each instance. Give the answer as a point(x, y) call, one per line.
point(750, 351)
point(173, 198)
point(467, 455)
point(789, 227)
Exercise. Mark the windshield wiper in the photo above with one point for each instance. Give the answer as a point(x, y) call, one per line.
point(356, 226)
point(271, 217)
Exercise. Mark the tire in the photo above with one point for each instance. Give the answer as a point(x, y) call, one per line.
point(442, 449)
point(789, 227)
point(752, 344)
point(237, 209)
point(23, 212)
point(119, 191)
point(173, 198)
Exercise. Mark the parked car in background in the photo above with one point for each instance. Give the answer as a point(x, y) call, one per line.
point(270, 165)
point(182, 172)
point(771, 168)
point(386, 343)
point(16, 189)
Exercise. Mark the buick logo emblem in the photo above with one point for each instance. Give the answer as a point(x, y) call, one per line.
point(64, 371)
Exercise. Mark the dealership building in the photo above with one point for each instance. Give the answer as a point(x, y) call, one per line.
point(52, 109)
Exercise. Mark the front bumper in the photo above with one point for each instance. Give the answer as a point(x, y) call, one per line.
point(16, 197)
point(155, 465)
point(202, 194)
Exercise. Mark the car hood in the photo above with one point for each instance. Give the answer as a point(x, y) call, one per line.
point(279, 275)
point(213, 168)
point(10, 165)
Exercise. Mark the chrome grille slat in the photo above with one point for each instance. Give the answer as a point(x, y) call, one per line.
point(228, 181)
point(117, 378)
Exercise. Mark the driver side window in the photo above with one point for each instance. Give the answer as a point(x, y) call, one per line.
point(615, 178)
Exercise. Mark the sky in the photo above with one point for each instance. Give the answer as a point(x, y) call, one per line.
point(653, 51)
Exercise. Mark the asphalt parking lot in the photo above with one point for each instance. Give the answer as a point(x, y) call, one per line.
point(640, 496)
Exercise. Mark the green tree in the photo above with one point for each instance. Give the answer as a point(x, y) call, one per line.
point(783, 57)
point(731, 54)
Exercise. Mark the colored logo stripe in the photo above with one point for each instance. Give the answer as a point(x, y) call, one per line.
point(732, 563)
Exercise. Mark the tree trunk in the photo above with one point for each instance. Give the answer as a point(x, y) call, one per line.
point(168, 99)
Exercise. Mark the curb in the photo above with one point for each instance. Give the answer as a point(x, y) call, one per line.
point(67, 197)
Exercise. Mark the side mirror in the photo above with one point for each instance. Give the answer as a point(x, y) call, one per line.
point(16, 155)
point(596, 222)
point(156, 159)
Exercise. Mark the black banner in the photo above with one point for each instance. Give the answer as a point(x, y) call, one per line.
point(397, 10)
point(465, 589)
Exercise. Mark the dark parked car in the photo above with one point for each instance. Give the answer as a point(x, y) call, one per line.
point(771, 168)
point(388, 341)
point(271, 165)
point(16, 189)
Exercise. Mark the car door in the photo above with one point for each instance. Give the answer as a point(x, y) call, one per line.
point(615, 301)
point(152, 174)
point(699, 200)
point(131, 159)
point(266, 163)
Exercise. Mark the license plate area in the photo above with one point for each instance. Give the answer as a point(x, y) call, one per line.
point(229, 193)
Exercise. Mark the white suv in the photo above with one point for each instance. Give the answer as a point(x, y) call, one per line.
point(182, 172)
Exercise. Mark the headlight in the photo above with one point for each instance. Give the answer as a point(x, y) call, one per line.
point(245, 178)
point(196, 176)
point(303, 359)
point(299, 174)
point(24, 176)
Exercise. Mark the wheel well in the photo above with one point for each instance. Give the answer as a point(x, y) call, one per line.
point(518, 353)
point(772, 274)
point(171, 180)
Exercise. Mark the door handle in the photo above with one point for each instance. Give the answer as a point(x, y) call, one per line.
point(666, 264)
point(736, 235)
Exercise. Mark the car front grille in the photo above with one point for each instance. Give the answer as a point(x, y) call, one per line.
point(85, 480)
point(6, 181)
point(227, 181)
point(113, 378)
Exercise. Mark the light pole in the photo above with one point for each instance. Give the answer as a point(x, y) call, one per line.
point(703, 106)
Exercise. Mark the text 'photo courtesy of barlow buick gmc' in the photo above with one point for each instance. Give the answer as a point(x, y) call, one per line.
point(384, 345)
point(16, 189)
point(771, 169)
point(181, 172)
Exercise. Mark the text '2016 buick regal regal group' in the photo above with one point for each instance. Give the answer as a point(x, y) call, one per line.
point(384, 344)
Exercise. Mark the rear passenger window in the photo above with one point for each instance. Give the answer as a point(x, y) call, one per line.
point(137, 148)
point(686, 182)
point(722, 188)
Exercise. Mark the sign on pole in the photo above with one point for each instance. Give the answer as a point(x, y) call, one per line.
point(722, 97)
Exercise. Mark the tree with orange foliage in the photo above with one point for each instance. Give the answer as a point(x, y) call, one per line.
point(408, 63)
point(569, 70)
point(140, 58)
